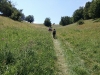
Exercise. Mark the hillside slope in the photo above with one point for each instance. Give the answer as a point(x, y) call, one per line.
point(28, 49)
point(25, 49)
point(82, 47)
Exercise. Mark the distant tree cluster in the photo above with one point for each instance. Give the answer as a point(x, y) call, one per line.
point(9, 10)
point(90, 11)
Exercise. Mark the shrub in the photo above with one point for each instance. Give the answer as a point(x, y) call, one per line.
point(97, 20)
point(80, 22)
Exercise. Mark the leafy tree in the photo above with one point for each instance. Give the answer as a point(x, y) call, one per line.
point(78, 14)
point(94, 10)
point(47, 22)
point(65, 20)
point(86, 10)
point(53, 24)
point(22, 15)
point(16, 15)
point(8, 10)
point(29, 18)
point(6, 7)
point(71, 20)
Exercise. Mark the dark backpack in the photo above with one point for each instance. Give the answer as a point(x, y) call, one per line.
point(54, 32)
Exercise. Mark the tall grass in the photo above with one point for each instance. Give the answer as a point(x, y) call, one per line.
point(25, 49)
point(82, 47)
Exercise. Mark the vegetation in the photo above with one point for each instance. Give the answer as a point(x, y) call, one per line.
point(65, 20)
point(80, 22)
point(86, 11)
point(29, 18)
point(9, 10)
point(47, 22)
point(25, 49)
point(95, 9)
point(81, 45)
point(90, 11)
point(78, 14)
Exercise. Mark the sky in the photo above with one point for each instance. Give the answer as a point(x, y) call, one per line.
point(53, 9)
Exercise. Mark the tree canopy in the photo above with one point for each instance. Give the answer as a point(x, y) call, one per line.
point(65, 20)
point(86, 11)
point(78, 14)
point(94, 10)
point(30, 18)
point(47, 22)
point(9, 10)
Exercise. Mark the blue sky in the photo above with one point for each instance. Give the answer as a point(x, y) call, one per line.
point(54, 9)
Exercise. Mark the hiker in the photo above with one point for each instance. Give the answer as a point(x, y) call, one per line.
point(54, 33)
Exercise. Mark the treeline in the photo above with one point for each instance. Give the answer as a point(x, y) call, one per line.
point(90, 11)
point(8, 9)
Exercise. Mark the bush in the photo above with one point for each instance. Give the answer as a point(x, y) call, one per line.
point(80, 22)
point(97, 20)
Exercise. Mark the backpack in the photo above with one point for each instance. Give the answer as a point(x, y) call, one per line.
point(54, 32)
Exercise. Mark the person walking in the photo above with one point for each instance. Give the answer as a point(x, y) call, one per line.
point(54, 33)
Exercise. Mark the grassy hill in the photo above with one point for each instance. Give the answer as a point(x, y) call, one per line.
point(28, 49)
point(82, 47)
point(25, 49)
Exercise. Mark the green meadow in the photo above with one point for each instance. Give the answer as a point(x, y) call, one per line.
point(81, 45)
point(28, 49)
point(25, 49)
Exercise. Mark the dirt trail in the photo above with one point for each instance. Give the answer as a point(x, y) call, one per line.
point(61, 64)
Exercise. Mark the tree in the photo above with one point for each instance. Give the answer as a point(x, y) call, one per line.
point(65, 20)
point(16, 15)
point(78, 14)
point(29, 18)
point(94, 10)
point(8, 9)
point(53, 24)
point(47, 22)
point(22, 15)
point(71, 20)
point(86, 11)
